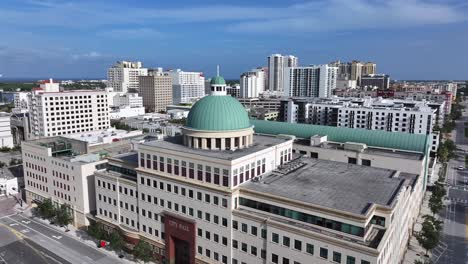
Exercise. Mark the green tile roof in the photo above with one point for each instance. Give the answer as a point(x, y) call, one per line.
point(218, 80)
point(218, 113)
point(375, 138)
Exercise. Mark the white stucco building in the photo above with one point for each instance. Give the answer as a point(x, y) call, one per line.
point(311, 81)
point(187, 87)
point(123, 76)
point(55, 113)
point(6, 138)
point(252, 83)
point(220, 194)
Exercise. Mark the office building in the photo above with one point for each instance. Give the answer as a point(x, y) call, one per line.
point(219, 194)
point(369, 68)
point(62, 169)
point(354, 70)
point(375, 81)
point(123, 76)
point(20, 102)
point(233, 90)
point(276, 66)
point(55, 113)
point(407, 116)
point(187, 87)
point(156, 90)
point(311, 81)
point(252, 83)
point(6, 138)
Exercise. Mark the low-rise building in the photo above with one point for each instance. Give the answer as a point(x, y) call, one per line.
point(6, 138)
point(220, 194)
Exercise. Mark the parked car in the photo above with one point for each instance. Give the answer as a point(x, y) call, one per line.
point(460, 168)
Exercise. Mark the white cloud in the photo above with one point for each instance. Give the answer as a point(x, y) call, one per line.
point(320, 15)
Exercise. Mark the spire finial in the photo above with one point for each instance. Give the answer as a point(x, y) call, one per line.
point(217, 70)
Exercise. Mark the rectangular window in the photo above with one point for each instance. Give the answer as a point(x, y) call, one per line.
point(286, 241)
point(275, 237)
point(297, 245)
point(274, 258)
point(352, 160)
point(366, 162)
point(253, 230)
point(336, 257)
point(324, 253)
point(310, 248)
point(350, 260)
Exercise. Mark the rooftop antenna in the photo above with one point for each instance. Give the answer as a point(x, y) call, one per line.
point(217, 70)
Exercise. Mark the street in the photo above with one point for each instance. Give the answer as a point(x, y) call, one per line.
point(455, 214)
point(27, 240)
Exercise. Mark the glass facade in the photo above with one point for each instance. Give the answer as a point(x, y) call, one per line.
point(303, 217)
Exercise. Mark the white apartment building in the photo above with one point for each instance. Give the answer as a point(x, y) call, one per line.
point(6, 138)
point(407, 116)
point(311, 81)
point(55, 113)
point(252, 83)
point(219, 194)
point(21, 102)
point(123, 76)
point(276, 66)
point(187, 87)
point(128, 99)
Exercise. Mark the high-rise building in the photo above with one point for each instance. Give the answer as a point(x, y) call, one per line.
point(20, 102)
point(187, 87)
point(379, 81)
point(6, 139)
point(369, 68)
point(353, 71)
point(311, 81)
point(156, 90)
point(123, 76)
point(276, 65)
point(54, 113)
point(252, 83)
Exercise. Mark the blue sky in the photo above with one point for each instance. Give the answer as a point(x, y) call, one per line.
point(408, 39)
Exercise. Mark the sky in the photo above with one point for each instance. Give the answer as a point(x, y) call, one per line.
point(408, 39)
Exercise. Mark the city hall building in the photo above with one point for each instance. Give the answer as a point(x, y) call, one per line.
point(220, 194)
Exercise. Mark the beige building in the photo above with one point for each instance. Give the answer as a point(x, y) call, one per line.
point(156, 91)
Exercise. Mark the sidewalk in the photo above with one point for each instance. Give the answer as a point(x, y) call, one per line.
point(415, 251)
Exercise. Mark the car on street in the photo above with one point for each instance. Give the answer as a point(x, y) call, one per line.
point(460, 168)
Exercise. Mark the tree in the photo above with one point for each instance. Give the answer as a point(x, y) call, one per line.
point(95, 231)
point(142, 251)
point(46, 209)
point(442, 153)
point(2, 164)
point(419, 261)
point(63, 216)
point(435, 204)
point(429, 235)
point(116, 241)
point(439, 190)
point(145, 130)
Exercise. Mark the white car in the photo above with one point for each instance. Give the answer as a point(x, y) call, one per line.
point(460, 168)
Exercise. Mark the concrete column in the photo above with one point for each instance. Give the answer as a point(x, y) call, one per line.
point(189, 143)
point(223, 143)
point(213, 143)
point(232, 143)
point(196, 142)
point(203, 143)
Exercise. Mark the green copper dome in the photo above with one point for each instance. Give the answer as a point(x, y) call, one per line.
point(218, 80)
point(218, 113)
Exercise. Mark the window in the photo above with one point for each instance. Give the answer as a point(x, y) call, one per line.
point(365, 262)
point(274, 258)
point(244, 247)
point(225, 241)
point(336, 257)
point(275, 237)
point(235, 244)
point(286, 241)
point(366, 162)
point(253, 230)
point(352, 160)
point(314, 155)
point(324, 253)
point(253, 250)
point(234, 224)
point(350, 260)
point(285, 260)
point(310, 248)
point(264, 233)
point(297, 245)
point(244, 228)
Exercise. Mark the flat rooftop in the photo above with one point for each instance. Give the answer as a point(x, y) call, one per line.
point(176, 144)
point(129, 158)
point(335, 185)
point(369, 150)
